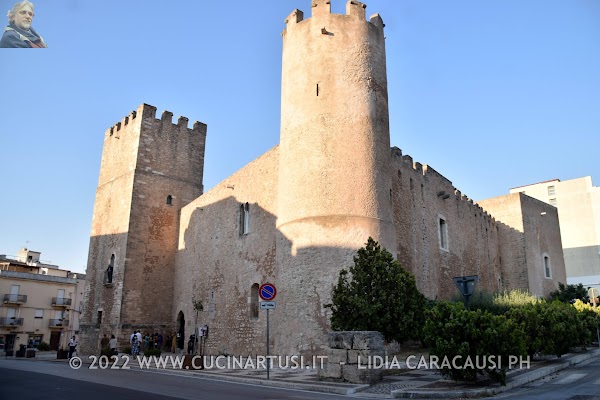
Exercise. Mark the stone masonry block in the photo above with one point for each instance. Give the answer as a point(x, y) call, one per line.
point(351, 373)
point(336, 356)
point(330, 371)
point(340, 340)
point(367, 340)
point(364, 355)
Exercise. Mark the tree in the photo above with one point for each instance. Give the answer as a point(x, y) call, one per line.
point(377, 294)
point(570, 293)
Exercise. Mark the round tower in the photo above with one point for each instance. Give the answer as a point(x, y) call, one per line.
point(334, 167)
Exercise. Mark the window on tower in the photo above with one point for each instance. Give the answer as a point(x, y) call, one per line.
point(244, 218)
point(254, 301)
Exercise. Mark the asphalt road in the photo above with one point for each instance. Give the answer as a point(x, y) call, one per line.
point(580, 382)
point(24, 380)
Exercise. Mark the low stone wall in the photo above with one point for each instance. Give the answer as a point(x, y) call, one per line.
point(349, 354)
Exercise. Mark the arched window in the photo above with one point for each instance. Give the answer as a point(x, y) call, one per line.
point(169, 200)
point(254, 301)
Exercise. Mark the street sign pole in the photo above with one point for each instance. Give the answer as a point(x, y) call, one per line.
point(267, 292)
point(268, 344)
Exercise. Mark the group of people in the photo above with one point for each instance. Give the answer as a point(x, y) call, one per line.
point(106, 343)
point(149, 341)
point(19, 32)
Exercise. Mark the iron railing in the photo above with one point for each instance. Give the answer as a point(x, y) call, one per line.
point(15, 298)
point(61, 302)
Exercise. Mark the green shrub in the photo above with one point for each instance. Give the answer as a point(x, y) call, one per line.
point(588, 325)
point(515, 298)
point(377, 294)
point(127, 350)
point(451, 330)
point(43, 346)
point(562, 326)
point(530, 319)
point(497, 303)
point(550, 328)
point(570, 293)
point(152, 352)
point(106, 352)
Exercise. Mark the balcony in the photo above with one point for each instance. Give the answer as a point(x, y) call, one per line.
point(11, 322)
point(61, 302)
point(58, 323)
point(15, 298)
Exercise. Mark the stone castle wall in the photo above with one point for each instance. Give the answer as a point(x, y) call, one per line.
point(144, 160)
point(421, 196)
point(218, 265)
point(529, 230)
point(313, 201)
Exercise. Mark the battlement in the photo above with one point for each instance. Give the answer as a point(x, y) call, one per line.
point(322, 8)
point(426, 171)
point(148, 114)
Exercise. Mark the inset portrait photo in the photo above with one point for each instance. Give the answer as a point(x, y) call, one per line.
point(19, 32)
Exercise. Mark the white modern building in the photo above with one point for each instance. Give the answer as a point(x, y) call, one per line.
point(578, 204)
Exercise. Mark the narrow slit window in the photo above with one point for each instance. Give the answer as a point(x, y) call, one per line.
point(244, 219)
point(254, 301)
point(443, 233)
point(169, 200)
point(317, 90)
point(547, 269)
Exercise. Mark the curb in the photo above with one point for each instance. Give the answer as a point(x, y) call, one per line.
point(521, 380)
point(330, 388)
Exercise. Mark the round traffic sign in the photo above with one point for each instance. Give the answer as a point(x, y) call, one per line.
point(267, 291)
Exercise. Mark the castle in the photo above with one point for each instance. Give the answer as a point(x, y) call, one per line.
point(296, 215)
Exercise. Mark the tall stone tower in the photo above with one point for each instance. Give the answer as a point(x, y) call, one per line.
point(150, 169)
point(334, 171)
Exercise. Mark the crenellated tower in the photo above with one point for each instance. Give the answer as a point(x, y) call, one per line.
point(334, 171)
point(150, 169)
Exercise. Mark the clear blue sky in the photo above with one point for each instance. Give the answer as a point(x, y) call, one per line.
point(492, 94)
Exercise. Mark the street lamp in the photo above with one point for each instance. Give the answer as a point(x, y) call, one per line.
point(466, 286)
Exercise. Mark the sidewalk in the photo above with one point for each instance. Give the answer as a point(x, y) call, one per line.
point(402, 383)
point(430, 384)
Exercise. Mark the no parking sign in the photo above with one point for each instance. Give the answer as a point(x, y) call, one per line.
point(267, 291)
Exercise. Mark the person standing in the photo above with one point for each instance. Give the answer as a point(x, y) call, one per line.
point(135, 344)
point(112, 343)
point(19, 32)
point(72, 346)
point(174, 343)
point(104, 342)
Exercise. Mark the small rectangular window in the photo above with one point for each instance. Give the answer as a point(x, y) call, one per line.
point(39, 314)
point(443, 233)
point(551, 191)
point(553, 202)
point(99, 320)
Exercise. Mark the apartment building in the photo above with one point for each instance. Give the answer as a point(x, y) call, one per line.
point(40, 302)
